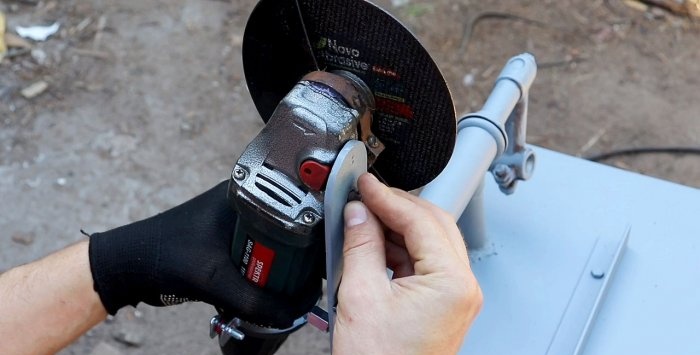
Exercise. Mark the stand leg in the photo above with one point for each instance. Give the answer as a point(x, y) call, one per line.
point(471, 222)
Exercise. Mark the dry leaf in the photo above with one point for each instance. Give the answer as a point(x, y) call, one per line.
point(3, 47)
point(677, 7)
point(14, 41)
point(637, 5)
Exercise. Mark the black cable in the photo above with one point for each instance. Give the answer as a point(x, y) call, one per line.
point(644, 150)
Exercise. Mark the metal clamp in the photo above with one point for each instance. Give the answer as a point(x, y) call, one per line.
point(237, 329)
point(508, 127)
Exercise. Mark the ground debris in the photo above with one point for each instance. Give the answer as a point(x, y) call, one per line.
point(688, 8)
point(114, 145)
point(3, 46)
point(23, 238)
point(39, 55)
point(38, 33)
point(91, 53)
point(14, 41)
point(129, 336)
point(35, 89)
point(103, 348)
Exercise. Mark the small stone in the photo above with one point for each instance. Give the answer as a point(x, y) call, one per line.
point(130, 337)
point(185, 127)
point(469, 80)
point(114, 145)
point(33, 183)
point(61, 181)
point(34, 90)
point(105, 349)
point(399, 3)
point(39, 56)
point(656, 13)
point(23, 238)
point(236, 40)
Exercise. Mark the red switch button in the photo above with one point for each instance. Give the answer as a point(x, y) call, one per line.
point(314, 174)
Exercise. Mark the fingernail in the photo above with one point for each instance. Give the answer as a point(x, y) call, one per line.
point(355, 213)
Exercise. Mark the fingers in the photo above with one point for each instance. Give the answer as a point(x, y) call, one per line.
point(363, 249)
point(454, 235)
point(423, 234)
point(398, 260)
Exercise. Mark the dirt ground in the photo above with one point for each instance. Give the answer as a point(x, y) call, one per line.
point(147, 106)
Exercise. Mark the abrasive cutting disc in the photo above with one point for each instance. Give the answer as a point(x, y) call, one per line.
point(414, 116)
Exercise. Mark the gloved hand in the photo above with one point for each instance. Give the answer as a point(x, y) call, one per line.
point(182, 255)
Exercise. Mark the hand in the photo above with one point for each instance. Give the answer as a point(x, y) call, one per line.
point(433, 297)
point(183, 255)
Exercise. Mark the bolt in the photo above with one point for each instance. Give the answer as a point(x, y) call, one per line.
point(501, 171)
point(238, 173)
point(225, 331)
point(308, 218)
point(597, 274)
point(373, 142)
point(504, 174)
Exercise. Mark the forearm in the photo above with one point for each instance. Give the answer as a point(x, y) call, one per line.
point(47, 304)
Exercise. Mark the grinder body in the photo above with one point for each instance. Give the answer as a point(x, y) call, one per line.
point(276, 189)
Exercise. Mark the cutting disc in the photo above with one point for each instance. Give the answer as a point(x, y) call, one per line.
point(414, 116)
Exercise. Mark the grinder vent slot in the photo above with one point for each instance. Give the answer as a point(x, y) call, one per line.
point(276, 190)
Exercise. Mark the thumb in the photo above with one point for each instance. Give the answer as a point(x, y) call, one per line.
point(364, 256)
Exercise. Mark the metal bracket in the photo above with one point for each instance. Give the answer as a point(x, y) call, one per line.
point(518, 160)
point(349, 165)
point(237, 329)
point(514, 160)
point(592, 286)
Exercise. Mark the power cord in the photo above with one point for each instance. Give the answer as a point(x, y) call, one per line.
point(644, 150)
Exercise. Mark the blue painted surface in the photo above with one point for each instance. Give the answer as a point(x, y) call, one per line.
point(540, 238)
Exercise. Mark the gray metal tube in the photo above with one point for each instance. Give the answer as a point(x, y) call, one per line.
point(480, 138)
point(454, 187)
point(472, 222)
point(512, 86)
point(499, 105)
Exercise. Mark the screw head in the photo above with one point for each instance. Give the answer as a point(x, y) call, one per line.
point(372, 141)
point(308, 218)
point(597, 274)
point(238, 173)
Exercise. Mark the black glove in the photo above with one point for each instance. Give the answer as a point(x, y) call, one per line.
point(183, 255)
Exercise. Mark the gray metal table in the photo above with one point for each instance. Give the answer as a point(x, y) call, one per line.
point(537, 270)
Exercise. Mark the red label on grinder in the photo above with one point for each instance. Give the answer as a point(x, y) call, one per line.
point(258, 262)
